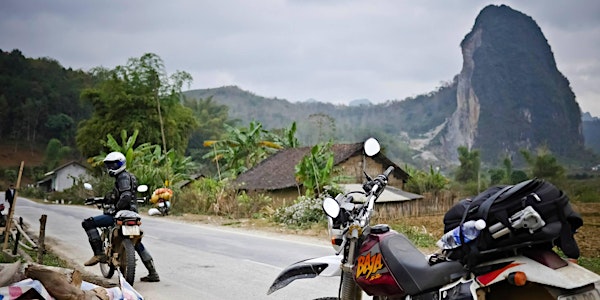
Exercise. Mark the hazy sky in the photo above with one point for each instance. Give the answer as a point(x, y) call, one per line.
point(330, 50)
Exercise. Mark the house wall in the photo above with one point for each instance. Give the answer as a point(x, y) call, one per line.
point(65, 177)
point(353, 168)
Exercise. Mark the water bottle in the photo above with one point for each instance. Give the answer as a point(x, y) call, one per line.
point(470, 231)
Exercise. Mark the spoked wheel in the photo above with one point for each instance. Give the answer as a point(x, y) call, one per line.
point(107, 269)
point(127, 260)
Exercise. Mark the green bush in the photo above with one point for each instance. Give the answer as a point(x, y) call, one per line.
point(32, 192)
point(303, 213)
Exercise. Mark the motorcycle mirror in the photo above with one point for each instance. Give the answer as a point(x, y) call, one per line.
point(87, 186)
point(371, 147)
point(142, 188)
point(331, 207)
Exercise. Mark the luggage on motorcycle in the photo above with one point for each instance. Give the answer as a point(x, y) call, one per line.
point(533, 212)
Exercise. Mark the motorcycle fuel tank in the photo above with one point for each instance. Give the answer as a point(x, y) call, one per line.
point(370, 270)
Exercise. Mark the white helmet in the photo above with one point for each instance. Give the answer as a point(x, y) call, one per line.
point(115, 162)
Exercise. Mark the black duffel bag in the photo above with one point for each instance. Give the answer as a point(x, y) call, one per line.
point(498, 204)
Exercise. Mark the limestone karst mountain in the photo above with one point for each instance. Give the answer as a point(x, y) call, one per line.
point(510, 94)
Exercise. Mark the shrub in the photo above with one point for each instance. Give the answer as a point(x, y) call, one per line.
point(303, 213)
point(210, 196)
point(32, 192)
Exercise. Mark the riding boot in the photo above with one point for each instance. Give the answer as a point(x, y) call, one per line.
point(152, 274)
point(96, 243)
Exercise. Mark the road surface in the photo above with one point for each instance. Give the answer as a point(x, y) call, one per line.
point(195, 261)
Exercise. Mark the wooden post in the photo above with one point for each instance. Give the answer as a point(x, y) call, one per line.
point(12, 208)
point(17, 238)
point(40, 256)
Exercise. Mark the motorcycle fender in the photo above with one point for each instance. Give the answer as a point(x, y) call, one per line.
point(568, 277)
point(327, 266)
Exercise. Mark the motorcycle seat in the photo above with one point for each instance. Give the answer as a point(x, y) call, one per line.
point(410, 267)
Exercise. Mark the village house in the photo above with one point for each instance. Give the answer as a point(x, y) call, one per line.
point(275, 176)
point(63, 177)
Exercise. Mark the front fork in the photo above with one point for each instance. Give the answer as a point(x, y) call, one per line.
point(349, 290)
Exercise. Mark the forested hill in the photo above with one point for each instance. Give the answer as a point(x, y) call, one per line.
point(395, 122)
point(39, 99)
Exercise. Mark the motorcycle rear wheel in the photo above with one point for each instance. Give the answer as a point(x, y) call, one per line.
point(127, 260)
point(108, 270)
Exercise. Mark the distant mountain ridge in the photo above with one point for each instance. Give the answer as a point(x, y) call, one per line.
point(508, 96)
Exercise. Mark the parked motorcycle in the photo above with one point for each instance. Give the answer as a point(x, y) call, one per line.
point(119, 240)
point(385, 264)
point(161, 199)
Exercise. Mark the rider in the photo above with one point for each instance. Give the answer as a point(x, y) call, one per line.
point(123, 196)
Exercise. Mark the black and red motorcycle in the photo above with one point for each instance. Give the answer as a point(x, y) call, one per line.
point(385, 264)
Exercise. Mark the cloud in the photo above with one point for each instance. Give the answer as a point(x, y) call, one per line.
point(329, 50)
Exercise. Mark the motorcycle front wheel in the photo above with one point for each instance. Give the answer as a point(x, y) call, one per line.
point(127, 260)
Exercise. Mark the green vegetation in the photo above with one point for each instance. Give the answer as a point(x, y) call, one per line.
point(305, 212)
point(241, 148)
point(590, 263)
point(137, 96)
point(315, 170)
point(421, 182)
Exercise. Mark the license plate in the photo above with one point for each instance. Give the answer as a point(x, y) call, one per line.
point(130, 230)
point(161, 204)
point(589, 295)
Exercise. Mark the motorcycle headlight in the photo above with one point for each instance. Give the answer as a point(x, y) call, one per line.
point(335, 234)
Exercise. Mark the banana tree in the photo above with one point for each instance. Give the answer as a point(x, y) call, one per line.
point(242, 148)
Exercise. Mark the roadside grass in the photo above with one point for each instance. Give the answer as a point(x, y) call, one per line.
point(590, 263)
point(25, 255)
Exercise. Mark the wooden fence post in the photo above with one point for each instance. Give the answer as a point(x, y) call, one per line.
point(40, 256)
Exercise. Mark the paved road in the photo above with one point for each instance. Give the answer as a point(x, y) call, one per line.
point(194, 261)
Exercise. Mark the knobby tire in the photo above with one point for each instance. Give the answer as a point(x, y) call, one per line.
point(107, 269)
point(127, 260)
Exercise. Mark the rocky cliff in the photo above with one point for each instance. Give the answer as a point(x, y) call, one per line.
point(510, 94)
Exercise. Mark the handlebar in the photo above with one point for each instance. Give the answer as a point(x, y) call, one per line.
point(100, 200)
point(94, 200)
point(377, 186)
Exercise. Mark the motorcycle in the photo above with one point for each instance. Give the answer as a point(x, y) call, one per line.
point(161, 199)
point(385, 264)
point(120, 239)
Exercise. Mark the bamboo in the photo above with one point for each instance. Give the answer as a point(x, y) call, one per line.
point(12, 207)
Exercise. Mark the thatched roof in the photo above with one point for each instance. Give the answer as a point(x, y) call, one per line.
point(277, 171)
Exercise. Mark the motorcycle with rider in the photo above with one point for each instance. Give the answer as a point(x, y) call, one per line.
point(119, 204)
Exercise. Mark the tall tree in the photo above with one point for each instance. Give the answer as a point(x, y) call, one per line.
point(470, 163)
point(544, 165)
point(137, 96)
point(55, 152)
point(210, 116)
